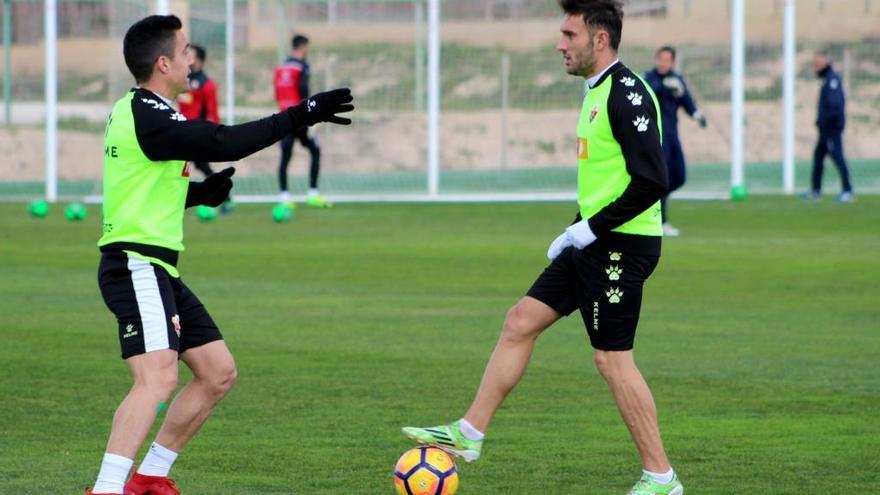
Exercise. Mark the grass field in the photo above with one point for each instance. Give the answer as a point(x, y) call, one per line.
point(760, 336)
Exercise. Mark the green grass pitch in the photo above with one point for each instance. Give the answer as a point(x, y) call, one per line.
point(760, 336)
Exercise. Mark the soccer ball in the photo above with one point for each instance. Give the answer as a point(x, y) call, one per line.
point(425, 471)
point(75, 212)
point(282, 213)
point(206, 213)
point(38, 208)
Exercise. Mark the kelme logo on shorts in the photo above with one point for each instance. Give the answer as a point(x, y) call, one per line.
point(129, 331)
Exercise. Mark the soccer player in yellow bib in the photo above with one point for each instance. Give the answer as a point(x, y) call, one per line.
point(600, 263)
point(148, 148)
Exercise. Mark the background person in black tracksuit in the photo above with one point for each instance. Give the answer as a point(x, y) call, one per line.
point(672, 93)
point(831, 121)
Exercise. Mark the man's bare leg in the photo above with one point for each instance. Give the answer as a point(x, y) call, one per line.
point(214, 375)
point(524, 323)
point(636, 405)
point(155, 379)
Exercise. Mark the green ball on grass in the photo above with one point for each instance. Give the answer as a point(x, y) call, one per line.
point(76, 212)
point(206, 213)
point(38, 208)
point(282, 213)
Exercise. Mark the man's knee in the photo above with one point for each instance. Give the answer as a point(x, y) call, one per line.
point(160, 382)
point(612, 364)
point(519, 326)
point(222, 380)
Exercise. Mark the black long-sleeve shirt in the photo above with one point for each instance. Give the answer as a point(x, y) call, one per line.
point(164, 134)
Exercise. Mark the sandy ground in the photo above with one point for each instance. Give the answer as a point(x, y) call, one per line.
point(469, 141)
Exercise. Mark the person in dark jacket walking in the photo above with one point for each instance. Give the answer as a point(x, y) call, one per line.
point(831, 120)
point(672, 93)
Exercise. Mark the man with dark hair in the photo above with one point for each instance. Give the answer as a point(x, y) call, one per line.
point(147, 149)
point(600, 263)
point(831, 120)
point(291, 87)
point(672, 93)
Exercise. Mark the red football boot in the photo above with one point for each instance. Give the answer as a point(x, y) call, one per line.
point(141, 484)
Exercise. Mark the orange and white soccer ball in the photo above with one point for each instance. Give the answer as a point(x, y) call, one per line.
point(425, 471)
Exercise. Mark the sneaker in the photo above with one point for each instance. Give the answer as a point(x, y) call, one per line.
point(846, 197)
point(669, 230)
point(648, 486)
point(318, 201)
point(812, 195)
point(141, 484)
point(448, 438)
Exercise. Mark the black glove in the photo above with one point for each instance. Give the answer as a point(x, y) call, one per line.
point(213, 191)
point(323, 107)
point(701, 119)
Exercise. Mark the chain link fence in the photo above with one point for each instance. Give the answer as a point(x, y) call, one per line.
point(508, 110)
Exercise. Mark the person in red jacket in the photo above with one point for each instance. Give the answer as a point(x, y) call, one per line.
point(292, 86)
point(200, 102)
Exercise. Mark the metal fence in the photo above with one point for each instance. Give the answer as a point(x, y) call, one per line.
point(508, 110)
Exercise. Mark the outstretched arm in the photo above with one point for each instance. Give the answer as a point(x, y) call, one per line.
point(164, 134)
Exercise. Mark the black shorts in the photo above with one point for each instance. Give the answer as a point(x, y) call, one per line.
point(605, 283)
point(155, 311)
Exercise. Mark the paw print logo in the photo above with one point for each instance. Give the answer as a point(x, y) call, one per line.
point(614, 295)
point(641, 123)
point(613, 272)
point(628, 81)
point(635, 99)
point(614, 256)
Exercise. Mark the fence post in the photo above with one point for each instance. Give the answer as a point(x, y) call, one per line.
point(433, 97)
point(51, 39)
point(7, 62)
point(230, 62)
point(788, 94)
point(737, 97)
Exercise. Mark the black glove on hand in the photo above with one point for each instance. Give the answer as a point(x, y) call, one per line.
point(701, 119)
point(213, 191)
point(323, 107)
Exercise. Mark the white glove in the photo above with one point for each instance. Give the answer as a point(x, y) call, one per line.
point(675, 85)
point(578, 235)
point(558, 246)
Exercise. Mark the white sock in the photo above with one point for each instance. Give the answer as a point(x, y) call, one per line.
point(662, 478)
point(113, 474)
point(313, 191)
point(285, 196)
point(468, 430)
point(158, 461)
